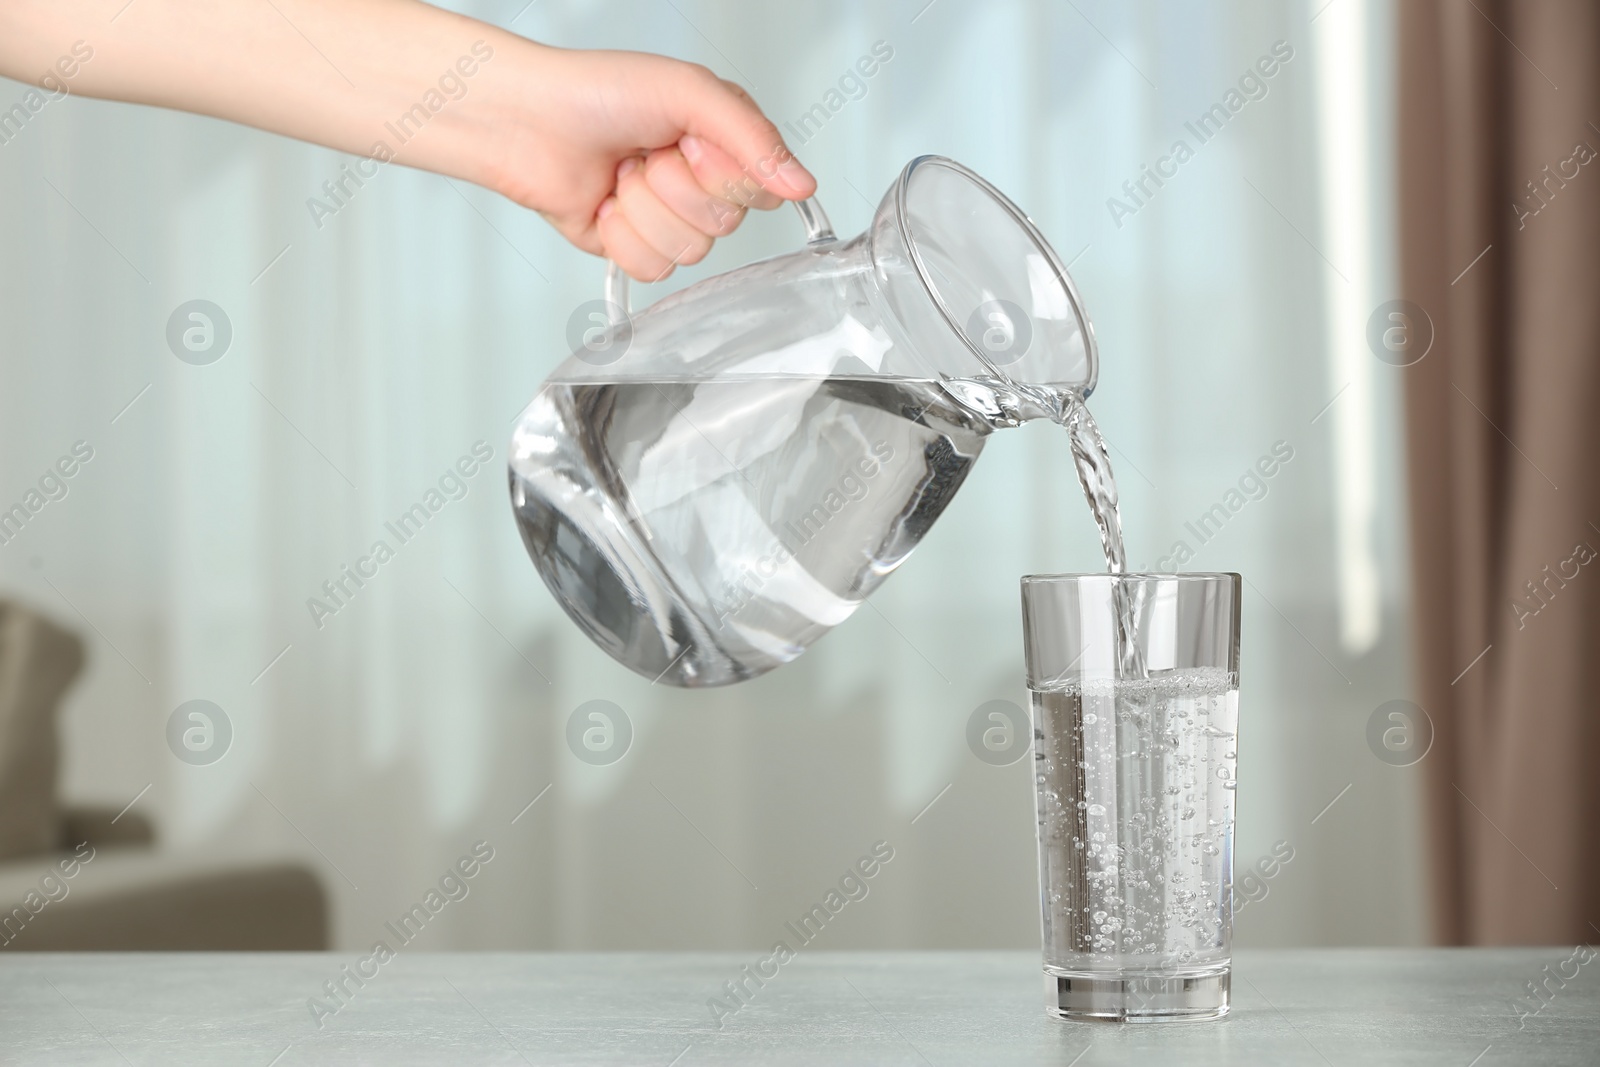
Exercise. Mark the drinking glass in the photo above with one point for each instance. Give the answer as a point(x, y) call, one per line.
point(1134, 681)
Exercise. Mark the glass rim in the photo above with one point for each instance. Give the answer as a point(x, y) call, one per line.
point(1131, 576)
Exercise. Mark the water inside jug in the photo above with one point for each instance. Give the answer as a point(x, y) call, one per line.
point(709, 485)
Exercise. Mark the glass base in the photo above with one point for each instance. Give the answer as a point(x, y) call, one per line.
point(1133, 997)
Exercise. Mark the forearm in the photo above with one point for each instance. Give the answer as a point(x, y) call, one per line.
point(561, 132)
point(340, 73)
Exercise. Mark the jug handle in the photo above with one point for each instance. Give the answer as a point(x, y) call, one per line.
point(819, 231)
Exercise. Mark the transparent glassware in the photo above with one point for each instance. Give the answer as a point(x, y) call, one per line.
point(709, 485)
point(1135, 766)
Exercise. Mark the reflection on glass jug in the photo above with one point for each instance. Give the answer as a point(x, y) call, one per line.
point(711, 484)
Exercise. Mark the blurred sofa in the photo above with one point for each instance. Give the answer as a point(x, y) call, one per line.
point(86, 878)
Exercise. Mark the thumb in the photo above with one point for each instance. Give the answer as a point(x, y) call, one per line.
point(739, 150)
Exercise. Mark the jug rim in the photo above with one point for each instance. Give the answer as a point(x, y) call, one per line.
point(1029, 230)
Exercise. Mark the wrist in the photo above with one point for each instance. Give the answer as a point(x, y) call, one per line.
point(492, 124)
point(441, 109)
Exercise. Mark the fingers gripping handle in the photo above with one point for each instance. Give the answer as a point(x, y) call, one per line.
point(818, 232)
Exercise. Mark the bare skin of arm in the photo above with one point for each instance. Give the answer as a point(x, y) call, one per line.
point(636, 157)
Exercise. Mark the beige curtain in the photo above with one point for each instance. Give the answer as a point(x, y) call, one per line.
point(1500, 245)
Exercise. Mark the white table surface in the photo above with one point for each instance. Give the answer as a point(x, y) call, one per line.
point(1453, 1008)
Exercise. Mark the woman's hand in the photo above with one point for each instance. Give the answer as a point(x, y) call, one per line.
point(636, 157)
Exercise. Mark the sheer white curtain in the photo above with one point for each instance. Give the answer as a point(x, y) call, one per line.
point(371, 352)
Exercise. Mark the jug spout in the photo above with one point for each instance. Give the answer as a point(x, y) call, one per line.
point(976, 288)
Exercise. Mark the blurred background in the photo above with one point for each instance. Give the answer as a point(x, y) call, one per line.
point(345, 765)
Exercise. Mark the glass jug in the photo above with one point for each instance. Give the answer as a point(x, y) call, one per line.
point(709, 485)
